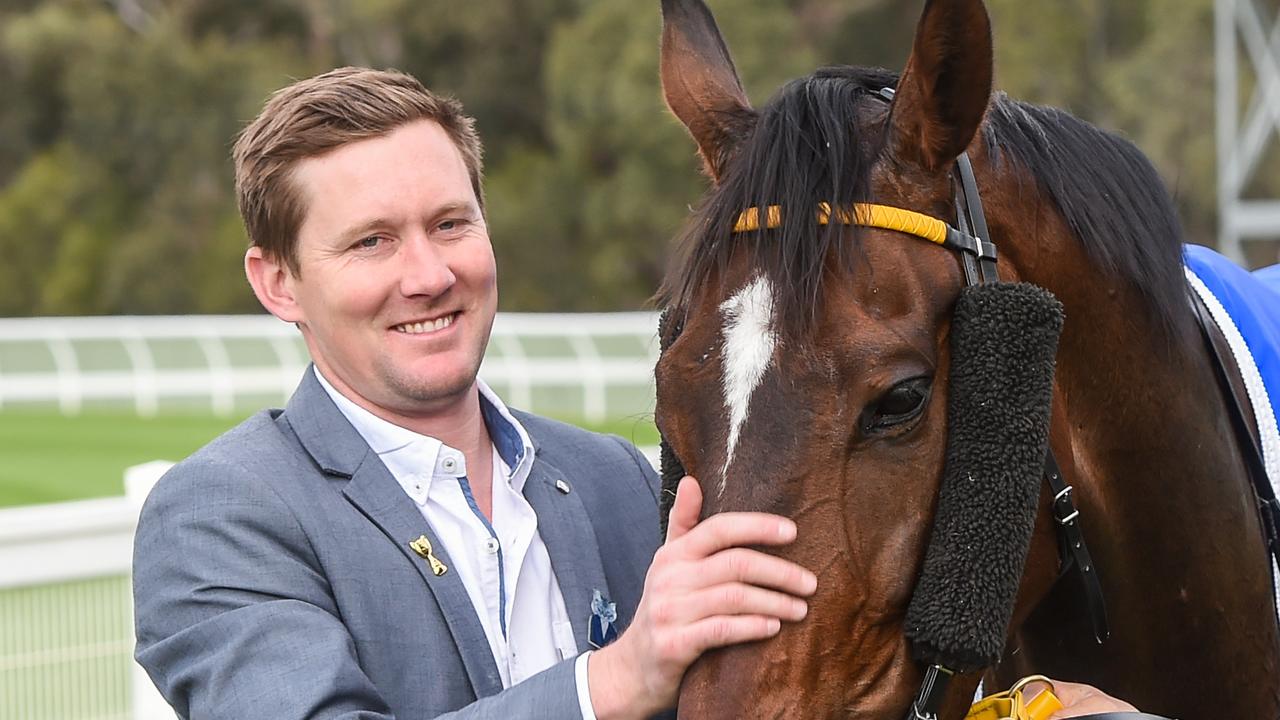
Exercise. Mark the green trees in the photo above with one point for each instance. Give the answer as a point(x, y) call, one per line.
point(117, 194)
point(584, 221)
point(1144, 68)
point(117, 120)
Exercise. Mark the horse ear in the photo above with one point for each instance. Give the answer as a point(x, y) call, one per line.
point(946, 87)
point(700, 83)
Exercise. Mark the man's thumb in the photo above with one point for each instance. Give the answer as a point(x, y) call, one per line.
point(687, 508)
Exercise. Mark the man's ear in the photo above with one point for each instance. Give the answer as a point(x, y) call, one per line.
point(273, 283)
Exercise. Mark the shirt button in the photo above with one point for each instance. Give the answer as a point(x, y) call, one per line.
point(491, 545)
point(449, 464)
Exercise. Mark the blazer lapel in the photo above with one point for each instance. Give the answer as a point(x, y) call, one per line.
point(566, 530)
point(339, 450)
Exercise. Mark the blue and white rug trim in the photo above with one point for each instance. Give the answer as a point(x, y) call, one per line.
point(1246, 307)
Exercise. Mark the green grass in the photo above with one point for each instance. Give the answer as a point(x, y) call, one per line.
point(48, 457)
point(51, 458)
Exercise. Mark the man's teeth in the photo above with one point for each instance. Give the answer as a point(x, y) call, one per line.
point(428, 326)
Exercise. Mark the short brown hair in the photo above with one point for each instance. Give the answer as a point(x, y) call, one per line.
point(316, 115)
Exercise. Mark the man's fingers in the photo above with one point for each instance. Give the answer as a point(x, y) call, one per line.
point(726, 600)
point(723, 630)
point(1080, 700)
point(734, 529)
point(743, 599)
point(756, 568)
point(686, 509)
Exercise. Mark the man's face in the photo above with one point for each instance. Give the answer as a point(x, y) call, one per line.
point(397, 286)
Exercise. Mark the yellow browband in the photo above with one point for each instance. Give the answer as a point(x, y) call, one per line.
point(864, 214)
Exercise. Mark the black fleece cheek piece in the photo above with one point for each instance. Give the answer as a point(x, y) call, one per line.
point(1004, 338)
point(670, 469)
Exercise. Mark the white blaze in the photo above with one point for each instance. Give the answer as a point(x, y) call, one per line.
point(749, 342)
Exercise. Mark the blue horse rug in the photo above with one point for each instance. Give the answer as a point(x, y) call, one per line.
point(1246, 307)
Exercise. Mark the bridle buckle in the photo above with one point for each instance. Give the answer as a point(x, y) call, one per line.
point(1065, 511)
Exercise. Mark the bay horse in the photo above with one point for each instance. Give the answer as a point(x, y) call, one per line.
point(810, 373)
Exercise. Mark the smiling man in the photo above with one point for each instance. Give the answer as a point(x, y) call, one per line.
point(397, 542)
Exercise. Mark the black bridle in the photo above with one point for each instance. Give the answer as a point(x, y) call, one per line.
point(978, 259)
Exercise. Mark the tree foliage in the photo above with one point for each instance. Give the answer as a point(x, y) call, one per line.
point(115, 181)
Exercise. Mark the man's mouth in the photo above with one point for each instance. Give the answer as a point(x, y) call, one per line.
point(421, 327)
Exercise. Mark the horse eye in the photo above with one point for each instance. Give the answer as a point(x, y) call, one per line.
point(901, 404)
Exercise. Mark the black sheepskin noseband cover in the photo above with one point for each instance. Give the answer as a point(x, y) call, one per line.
point(1004, 337)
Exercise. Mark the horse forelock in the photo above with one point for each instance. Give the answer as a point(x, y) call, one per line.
point(806, 147)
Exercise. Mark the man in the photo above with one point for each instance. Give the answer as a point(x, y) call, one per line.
point(397, 542)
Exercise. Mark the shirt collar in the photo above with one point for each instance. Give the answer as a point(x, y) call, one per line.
point(406, 453)
point(509, 437)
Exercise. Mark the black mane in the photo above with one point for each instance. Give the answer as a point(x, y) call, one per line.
point(806, 149)
point(1109, 193)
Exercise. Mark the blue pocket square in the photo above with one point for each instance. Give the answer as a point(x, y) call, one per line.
point(602, 629)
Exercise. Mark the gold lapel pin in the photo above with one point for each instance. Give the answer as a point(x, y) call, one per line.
point(422, 546)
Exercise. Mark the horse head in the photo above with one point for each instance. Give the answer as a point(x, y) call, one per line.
point(808, 367)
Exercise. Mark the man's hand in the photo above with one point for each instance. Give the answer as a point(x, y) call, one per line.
point(704, 590)
point(1080, 700)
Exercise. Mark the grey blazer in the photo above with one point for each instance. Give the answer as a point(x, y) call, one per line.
point(273, 576)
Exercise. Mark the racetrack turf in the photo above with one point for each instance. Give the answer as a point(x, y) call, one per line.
point(47, 457)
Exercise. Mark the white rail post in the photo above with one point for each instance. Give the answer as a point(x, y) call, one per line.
point(514, 366)
point(146, 393)
point(70, 393)
point(290, 360)
point(594, 404)
point(146, 700)
point(222, 388)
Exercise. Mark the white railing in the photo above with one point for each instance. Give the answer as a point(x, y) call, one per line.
point(227, 362)
point(66, 631)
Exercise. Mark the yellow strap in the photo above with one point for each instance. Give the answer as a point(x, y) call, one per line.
point(864, 214)
point(749, 219)
point(1013, 705)
point(1043, 705)
point(995, 707)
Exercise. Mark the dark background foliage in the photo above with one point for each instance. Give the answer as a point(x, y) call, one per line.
point(117, 118)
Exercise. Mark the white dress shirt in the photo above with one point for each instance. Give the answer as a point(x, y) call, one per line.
point(503, 565)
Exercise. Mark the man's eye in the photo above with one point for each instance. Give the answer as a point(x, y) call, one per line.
point(370, 242)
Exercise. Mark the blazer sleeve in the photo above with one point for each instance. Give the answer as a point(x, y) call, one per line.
point(236, 619)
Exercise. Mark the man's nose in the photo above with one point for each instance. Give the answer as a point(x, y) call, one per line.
point(425, 269)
